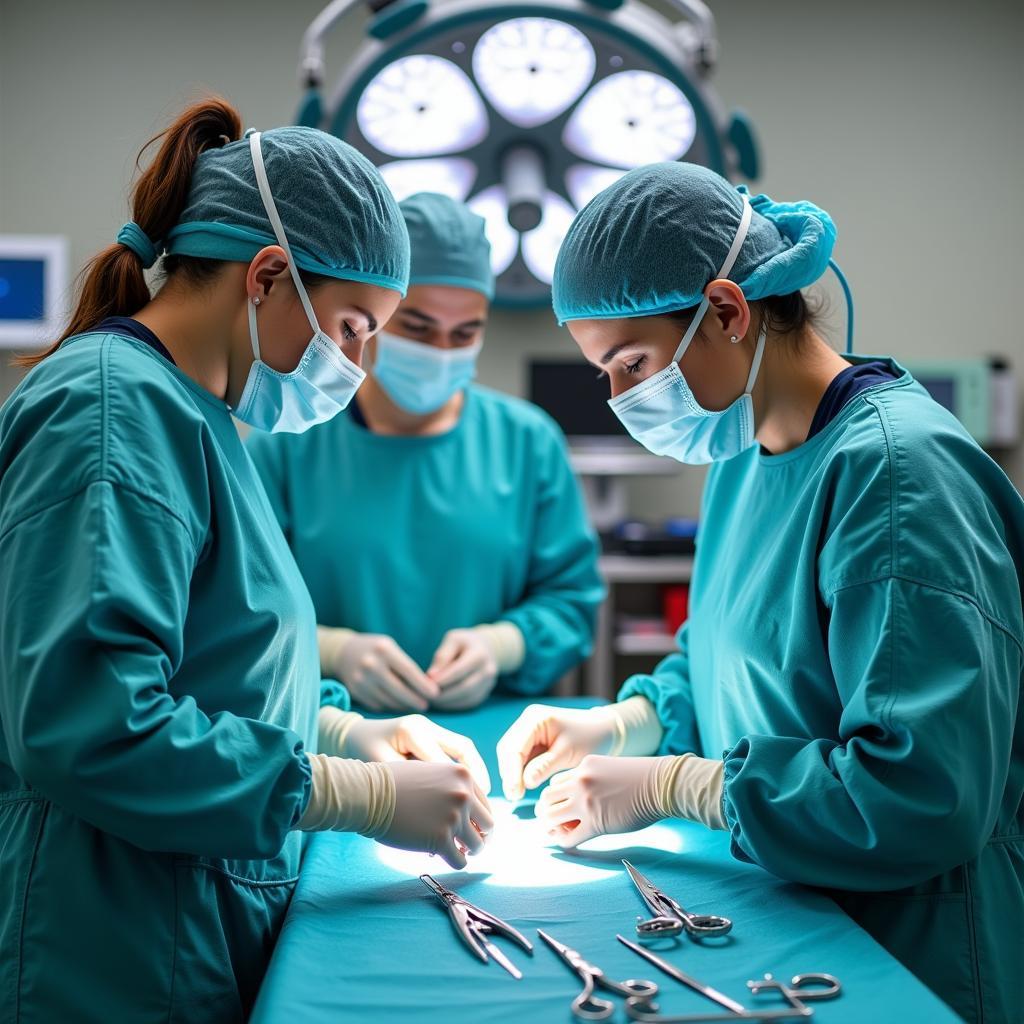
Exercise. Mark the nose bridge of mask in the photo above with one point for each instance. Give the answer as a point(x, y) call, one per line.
point(263, 184)
point(724, 271)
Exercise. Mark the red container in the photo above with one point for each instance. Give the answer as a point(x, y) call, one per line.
point(675, 605)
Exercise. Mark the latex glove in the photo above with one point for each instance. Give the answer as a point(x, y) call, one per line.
point(346, 734)
point(610, 795)
point(436, 808)
point(468, 662)
point(544, 740)
point(377, 672)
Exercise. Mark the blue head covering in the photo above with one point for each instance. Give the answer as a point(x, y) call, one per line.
point(651, 242)
point(448, 243)
point(339, 216)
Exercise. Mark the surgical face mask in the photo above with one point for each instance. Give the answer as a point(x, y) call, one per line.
point(419, 377)
point(324, 381)
point(662, 412)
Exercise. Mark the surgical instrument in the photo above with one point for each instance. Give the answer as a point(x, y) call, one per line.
point(669, 917)
point(474, 925)
point(685, 979)
point(587, 1006)
point(804, 988)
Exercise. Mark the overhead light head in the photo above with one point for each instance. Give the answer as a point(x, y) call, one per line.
point(527, 110)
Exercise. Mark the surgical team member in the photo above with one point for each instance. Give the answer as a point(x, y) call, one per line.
point(159, 684)
point(855, 640)
point(437, 524)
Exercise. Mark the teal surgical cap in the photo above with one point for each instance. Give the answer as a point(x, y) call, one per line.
point(448, 243)
point(339, 216)
point(654, 240)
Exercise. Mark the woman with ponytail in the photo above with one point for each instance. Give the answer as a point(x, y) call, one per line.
point(162, 740)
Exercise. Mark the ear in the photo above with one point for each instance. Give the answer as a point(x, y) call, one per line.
point(265, 270)
point(729, 312)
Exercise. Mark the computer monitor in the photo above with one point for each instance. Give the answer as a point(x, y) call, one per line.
point(576, 398)
point(33, 282)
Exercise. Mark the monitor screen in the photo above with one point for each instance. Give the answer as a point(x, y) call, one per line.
point(573, 395)
point(22, 288)
point(942, 389)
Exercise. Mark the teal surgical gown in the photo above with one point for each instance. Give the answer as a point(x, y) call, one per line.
point(413, 536)
point(855, 649)
point(158, 683)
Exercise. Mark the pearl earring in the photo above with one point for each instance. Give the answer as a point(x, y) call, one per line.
point(733, 339)
point(256, 301)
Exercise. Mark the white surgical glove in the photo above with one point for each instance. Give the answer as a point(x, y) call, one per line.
point(544, 740)
point(347, 734)
point(436, 808)
point(609, 795)
point(467, 664)
point(375, 670)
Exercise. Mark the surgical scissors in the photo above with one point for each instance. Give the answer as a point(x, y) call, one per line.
point(587, 1006)
point(670, 918)
point(474, 925)
point(803, 989)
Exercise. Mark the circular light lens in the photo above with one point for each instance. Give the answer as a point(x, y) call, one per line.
point(492, 205)
point(421, 106)
point(584, 181)
point(632, 118)
point(531, 69)
point(540, 246)
point(451, 176)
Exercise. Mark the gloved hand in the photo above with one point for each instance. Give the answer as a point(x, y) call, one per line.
point(346, 734)
point(436, 808)
point(439, 809)
point(609, 795)
point(544, 740)
point(467, 664)
point(377, 672)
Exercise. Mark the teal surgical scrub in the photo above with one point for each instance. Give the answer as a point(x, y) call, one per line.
point(855, 648)
point(413, 536)
point(159, 682)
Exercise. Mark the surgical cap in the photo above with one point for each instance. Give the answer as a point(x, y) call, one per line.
point(339, 216)
point(652, 242)
point(448, 243)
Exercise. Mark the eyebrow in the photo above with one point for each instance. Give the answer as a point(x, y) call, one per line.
point(371, 320)
point(419, 315)
point(412, 311)
point(614, 351)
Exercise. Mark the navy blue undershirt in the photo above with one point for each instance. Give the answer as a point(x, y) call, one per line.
point(846, 386)
point(130, 328)
point(357, 414)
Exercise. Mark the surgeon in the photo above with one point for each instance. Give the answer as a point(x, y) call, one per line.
point(159, 684)
point(437, 524)
point(846, 696)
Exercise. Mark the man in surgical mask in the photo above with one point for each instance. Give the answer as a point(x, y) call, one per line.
point(437, 523)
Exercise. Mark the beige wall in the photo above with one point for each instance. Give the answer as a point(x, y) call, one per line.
point(902, 119)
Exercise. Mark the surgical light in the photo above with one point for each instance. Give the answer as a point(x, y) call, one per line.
point(420, 106)
point(531, 69)
point(453, 177)
point(632, 118)
point(525, 110)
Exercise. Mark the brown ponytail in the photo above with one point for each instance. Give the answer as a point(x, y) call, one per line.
point(112, 282)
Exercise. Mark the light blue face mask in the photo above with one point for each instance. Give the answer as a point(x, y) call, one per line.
point(419, 377)
point(324, 381)
point(665, 417)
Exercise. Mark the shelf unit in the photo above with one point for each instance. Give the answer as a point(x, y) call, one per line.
point(601, 676)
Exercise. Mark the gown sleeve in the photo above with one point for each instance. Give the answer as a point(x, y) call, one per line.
point(668, 689)
point(94, 594)
point(923, 675)
point(558, 613)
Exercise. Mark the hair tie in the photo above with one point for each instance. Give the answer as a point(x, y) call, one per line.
point(133, 237)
